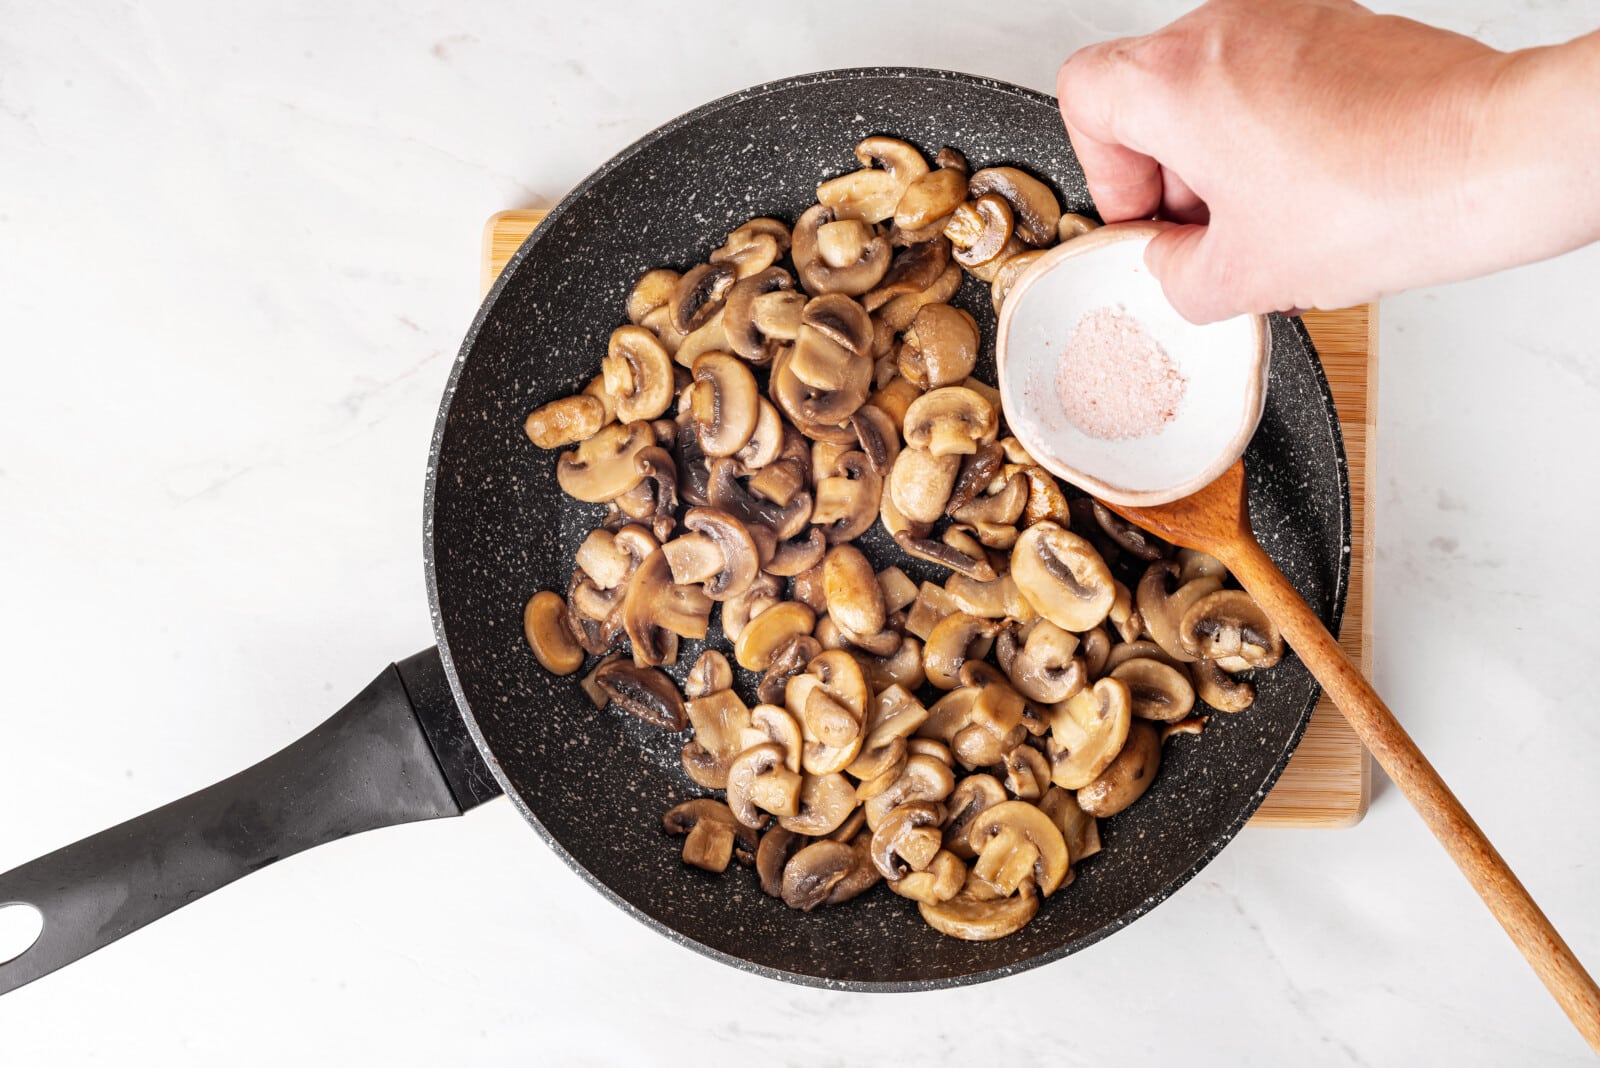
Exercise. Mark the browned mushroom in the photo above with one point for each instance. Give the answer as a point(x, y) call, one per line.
point(1229, 623)
point(644, 692)
point(719, 720)
point(1035, 207)
point(603, 467)
point(712, 834)
point(565, 422)
point(852, 277)
point(753, 247)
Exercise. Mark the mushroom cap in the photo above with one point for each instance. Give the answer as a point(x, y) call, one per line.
point(924, 779)
point(737, 550)
point(1034, 206)
point(549, 635)
point(752, 247)
point(855, 600)
point(603, 467)
point(975, 919)
point(762, 637)
point(915, 268)
point(699, 295)
point(761, 312)
point(814, 872)
point(842, 320)
point(951, 420)
point(1006, 277)
point(941, 347)
point(1087, 731)
point(1027, 773)
point(710, 674)
point(1229, 623)
point(638, 373)
point(1162, 610)
point(1062, 576)
point(952, 642)
point(826, 801)
point(1127, 778)
point(930, 198)
point(653, 290)
point(902, 667)
point(772, 723)
point(920, 483)
point(1011, 828)
point(738, 610)
point(1158, 691)
point(644, 692)
point(898, 313)
point(1078, 829)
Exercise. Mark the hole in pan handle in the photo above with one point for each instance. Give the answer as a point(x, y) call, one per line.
point(397, 753)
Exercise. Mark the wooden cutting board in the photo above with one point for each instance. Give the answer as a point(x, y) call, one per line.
point(1328, 781)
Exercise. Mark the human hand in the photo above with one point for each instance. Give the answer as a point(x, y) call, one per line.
point(1318, 154)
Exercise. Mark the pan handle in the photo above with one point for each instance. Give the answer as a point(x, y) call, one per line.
point(397, 753)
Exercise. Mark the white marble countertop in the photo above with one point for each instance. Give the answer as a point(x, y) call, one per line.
point(237, 254)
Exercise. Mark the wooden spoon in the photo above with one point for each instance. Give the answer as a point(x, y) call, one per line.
point(1216, 520)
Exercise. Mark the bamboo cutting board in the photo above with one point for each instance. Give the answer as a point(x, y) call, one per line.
point(1327, 782)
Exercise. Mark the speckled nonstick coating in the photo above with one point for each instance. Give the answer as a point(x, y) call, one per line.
point(594, 784)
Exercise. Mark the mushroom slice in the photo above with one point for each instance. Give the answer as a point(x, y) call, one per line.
point(847, 502)
point(1122, 652)
point(718, 553)
point(772, 723)
point(719, 720)
point(823, 363)
point(878, 436)
point(977, 919)
point(737, 611)
point(653, 290)
point(1078, 829)
point(996, 598)
point(899, 312)
point(1162, 608)
point(930, 198)
point(759, 781)
point(940, 881)
point(826, 801)
point(908, 839)
point(603, 467)
point(1074, 225)
point(1229, 623)
point(593, 614)
point(842, 320)
point(1062, 576)
point(797, 556)
point(724, 403)
point(872, 193)
point(893, 717)
point(761, 313)
point(726, 493)
point(855, 600)
point(954, 640)
point(972, 796)
point(609, 557)
point(950, 421)
point(894, 398)
point(914, 269)
point(1140, 543)
point(712, 833)
point(1219, 689)
point(1158, 691)
point(710, 674)
point(920, 482)
point(814, 872)
point(933, 603)
point(1045, 669)
point(830, 702)
point(765, 441)
point(979, 230)
point(1035, 207)
point(760, 639)
point(544, 625)
point(901, 667)
point(699, 295)
point(1006, 277)
point(898, 590)
point(1015, 842)
point(644, 692)
point(777, 846)
point(819, 412)
point(1123, 616)
point(1027, 773)
point(1196, 564)
point(638, 373)
point(941, 347)
point(1126, 779)
point(656, 612)
point(753, 247)
point(565, 422)
point(817, 275)
point(979, 472)
point(1087, 731)
point(924, 779)
point(711, 336)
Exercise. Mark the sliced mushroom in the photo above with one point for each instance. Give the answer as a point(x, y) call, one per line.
point(1096, 649)
point(924, 779)
point(899, 312)
point(719, 720)
point(656, 612)
point(920, 483)
point(855, 600)
point(915, 268)
point(978, 919)
point(817, 276)
point(724, 403)
point(594, 615)
point(898, 590)
point(759, 781)
point(954, 640)
point(699, 295)
point(717, 553)
point(931, 198)
point(1162, 608)
point(842, 320)
point(907, 839)
point(753, 247)
point(725, 492)
point(798, 555)
point(1229, 623)
point(1087, 731)
point(847, 501)
point(1195, 564)
point(1035, 207)
point(644, 692)
point(941, 347)
point(940, 881)
point(712, 833)
point(565, 422)
point(1045, 669)
point(609, 557)
point(1006, 277)
point(1078, 829)
point(972, 796)
point(1139, 650)
point(1062, 576)
point(998, 598)
point(1128, 776)
point(1016, 842)
point(878, 436)
point(871, 194)
point(1074, 225)
point(1219, 689)
point(901, 667)
point(1027, 773)
point(638, 373)
point(710, 674)
point(1159, 691)
point(603, 467)
point(826, 801)
point(653, 290)
point(711, 336)
point(1141, 543)
point(933, 603)
point(1046, 502)
point(820, 412)
point(772, 723)
point(1123, 616)
point(1192, 725)
point(544, 625)
point(830, 701)
point(737, 611)
point(950, 421)
point(814, 873)
point(762, 312)
point(760, 639)
point(979, 230)
point(777, 846)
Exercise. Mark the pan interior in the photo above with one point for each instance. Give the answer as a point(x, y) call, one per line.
point(596, 783)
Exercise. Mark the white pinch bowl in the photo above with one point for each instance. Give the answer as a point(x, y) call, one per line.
point(1225, 365)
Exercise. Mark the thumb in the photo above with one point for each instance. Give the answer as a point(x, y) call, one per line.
point(1185, 261)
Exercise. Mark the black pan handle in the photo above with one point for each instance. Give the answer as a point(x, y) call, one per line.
point(397, 753)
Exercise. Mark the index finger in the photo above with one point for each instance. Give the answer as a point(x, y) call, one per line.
point(1124, 182)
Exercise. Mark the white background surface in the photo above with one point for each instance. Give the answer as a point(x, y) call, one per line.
point(237, 254)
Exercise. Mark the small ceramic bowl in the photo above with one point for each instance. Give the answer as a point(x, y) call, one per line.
point(1225, 365)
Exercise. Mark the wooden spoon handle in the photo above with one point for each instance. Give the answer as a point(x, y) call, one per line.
point(1394, 750)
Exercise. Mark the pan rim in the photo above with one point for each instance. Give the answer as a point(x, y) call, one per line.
point(1065, 949)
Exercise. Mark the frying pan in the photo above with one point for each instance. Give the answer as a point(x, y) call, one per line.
point(452, 727)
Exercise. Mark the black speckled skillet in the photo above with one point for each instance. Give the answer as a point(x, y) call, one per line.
point(443, 731)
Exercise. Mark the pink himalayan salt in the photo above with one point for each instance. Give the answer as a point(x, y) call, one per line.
point(1114, 380)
